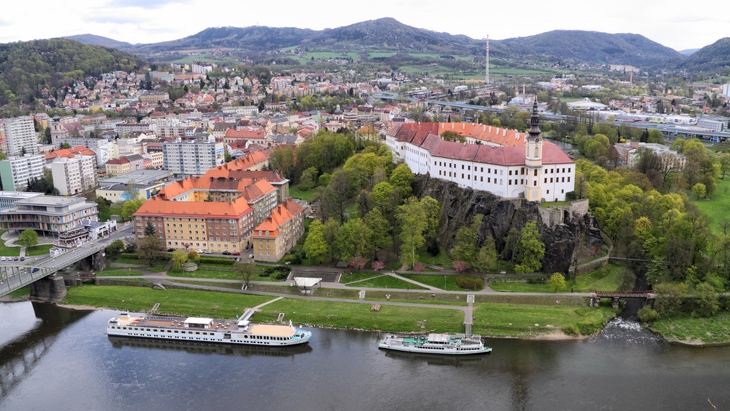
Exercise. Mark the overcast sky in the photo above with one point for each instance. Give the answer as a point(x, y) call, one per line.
point(672, 23)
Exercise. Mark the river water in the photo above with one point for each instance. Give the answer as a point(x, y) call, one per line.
point(57, 359)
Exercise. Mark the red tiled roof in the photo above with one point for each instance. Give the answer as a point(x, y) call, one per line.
point(161, 208)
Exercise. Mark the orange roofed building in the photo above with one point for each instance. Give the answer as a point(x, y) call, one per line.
point(214, 226)
point(218, 211)
point(278, 233)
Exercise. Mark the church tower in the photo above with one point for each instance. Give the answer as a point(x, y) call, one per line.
point(533, 158)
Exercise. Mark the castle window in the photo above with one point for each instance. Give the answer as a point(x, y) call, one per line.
point(536, 151)
point(535, 173)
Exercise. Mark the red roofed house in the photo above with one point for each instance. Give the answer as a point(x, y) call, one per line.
point(279, 232)
point(506, 163)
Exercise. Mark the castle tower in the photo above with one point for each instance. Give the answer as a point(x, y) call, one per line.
point(533, 158)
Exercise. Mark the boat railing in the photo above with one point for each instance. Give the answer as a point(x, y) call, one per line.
point(164, 318)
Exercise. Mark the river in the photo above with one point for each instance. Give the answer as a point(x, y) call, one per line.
point(64, 360)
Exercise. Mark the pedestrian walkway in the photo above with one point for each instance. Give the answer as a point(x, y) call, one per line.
point(408, 280)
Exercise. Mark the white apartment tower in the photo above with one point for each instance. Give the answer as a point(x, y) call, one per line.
point(533, 158)
point(20, 136)
point(192, 158)
point(15, 172)
point(74, 175)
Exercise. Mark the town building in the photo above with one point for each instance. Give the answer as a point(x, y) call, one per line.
point(74, 175)
point(198, 225)
point(504, 162)
point(15, 172)
point(670, 160)
point(141, 184)
point(20, 136)
point(48, 215)
point(8, 198)
point(192, 158)
point(279, 232)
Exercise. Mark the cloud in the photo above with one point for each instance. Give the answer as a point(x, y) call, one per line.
point(142, 4)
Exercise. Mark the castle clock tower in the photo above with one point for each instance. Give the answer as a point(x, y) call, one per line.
point(533, 158)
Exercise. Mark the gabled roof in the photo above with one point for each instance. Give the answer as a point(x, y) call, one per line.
point(279, 216)
point(161, 208)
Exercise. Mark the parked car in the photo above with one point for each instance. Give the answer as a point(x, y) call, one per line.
point(226, 253)
point(236, 253)
point(22, 258)
point(2, 258)
point(169, 250)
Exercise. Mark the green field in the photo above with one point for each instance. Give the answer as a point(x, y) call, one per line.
point(716, 207)
point(39, 249)
point(606, 278)
point(690, 330)
point(519, 320)
point(444, 282)
point(307, 195)
point(385, 282)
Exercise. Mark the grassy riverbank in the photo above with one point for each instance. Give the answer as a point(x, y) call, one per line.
point(491, 319)
point(695, 331)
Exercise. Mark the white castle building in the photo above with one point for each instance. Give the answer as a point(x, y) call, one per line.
point(504, 162)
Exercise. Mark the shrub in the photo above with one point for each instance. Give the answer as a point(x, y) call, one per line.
point(571, 329)
point(586, 328)
point(647, 314)
point(282, 275)
point(470, 283)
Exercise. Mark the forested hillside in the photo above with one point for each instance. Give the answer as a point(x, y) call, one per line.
point(26, 68)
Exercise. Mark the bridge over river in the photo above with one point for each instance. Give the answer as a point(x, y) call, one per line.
point(16, 275)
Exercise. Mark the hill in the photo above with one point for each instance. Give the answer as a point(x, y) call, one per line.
point(596, 47)
point(26, 68)
point(388, 34)
point(716, 56)
point(95, 40)
point(254, 38)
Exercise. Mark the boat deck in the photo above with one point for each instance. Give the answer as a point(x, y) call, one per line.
point(216, 325)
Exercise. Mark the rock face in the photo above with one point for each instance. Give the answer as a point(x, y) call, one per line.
point(562, 229)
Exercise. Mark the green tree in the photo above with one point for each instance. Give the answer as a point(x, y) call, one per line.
point(380, 229)
point(282, 160)
point(413, 223)
point(179, 257)
point(557, 281)
point(465, 244)
point(149, 229)
point(149, 249)
point(530, 250)
point(486, 261)
point(130, 207)
point(402, 180)
point(28, 238)
point(315, 245)
point(244, 271)
point(707, 300)
point(699, 190)
point(115, 249)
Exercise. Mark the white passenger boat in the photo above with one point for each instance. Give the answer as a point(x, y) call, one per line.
point(210, 330)
point(446, 344)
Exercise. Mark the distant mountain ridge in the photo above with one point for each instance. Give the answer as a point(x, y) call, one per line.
point(94, 40)
point(391, 35)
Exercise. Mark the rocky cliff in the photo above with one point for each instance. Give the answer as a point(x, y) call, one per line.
point(562, 229)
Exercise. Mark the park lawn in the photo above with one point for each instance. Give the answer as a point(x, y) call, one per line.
point(606, 278)
point(716, 207)
point(306, 195)
point(525, 321)
point(172, 301)
point(8, 251)
point(386, 282)
point(360, 316)
point(444, 282)
point(346, 278)
point(41, 249)
point(690, 330)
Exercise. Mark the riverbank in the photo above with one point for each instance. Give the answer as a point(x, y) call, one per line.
point(498, 320)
